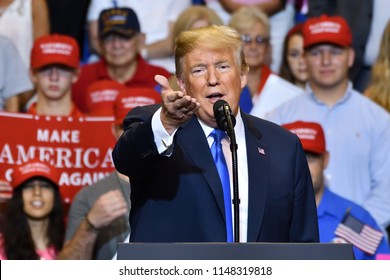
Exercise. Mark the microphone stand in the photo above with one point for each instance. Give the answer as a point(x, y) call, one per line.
point(233, 149)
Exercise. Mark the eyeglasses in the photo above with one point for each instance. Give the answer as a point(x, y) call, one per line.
point(259, 39)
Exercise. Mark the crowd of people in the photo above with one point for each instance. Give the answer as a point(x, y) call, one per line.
point(306, 168)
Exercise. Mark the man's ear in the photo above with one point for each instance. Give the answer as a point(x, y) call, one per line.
point(141, 42)
point(76, 75)
point(32, 75)
point(244, 79)
point(326, 159)
point(351, 57)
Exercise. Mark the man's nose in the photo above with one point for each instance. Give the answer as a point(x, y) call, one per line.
point(325, 57)
point(212, 77)
point(54, 74)
point(116, 42)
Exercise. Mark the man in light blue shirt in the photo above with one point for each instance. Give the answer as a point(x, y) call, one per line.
point(357, 131)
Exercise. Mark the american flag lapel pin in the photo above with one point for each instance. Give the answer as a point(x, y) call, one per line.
point(261, 151)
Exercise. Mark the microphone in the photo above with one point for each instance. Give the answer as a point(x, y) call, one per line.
point(223, 115)
point(226, 122)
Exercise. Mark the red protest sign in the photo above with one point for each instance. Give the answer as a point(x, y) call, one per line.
point(79, 147)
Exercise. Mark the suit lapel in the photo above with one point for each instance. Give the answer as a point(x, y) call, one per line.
point(258, 174)
point(191, 137)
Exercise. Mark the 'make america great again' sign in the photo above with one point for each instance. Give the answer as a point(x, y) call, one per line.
point(80, 148)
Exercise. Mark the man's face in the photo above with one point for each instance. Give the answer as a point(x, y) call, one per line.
point(211, 75)
point(54, 81)
point(121, 51)
point(328, 65)
point(317, 163)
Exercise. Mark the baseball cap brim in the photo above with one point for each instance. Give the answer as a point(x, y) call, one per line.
point(127, 33)
point(45, 62)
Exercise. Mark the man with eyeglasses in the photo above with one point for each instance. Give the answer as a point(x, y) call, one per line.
point(121, 43)
point(54, 68)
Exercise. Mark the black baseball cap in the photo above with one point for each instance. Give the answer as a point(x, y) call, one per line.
point(123, 21)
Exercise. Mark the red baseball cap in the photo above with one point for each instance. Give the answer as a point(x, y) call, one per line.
point(311, 135)
point(31, 169)
point(101, 96)
point(55, 49)
point(326, 29)
point(130, 98)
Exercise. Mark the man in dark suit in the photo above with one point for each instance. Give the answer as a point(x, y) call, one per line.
point(165, 150)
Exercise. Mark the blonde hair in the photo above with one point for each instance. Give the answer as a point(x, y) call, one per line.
point(192, 14)
point(212, 37)
point(379, 88)
point(247, 16)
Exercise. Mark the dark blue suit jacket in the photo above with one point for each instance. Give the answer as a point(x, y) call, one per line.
point(179, 198)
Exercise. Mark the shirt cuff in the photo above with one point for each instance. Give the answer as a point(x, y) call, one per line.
point(161, 137)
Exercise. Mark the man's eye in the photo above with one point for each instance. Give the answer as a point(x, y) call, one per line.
point(197, 70)
point(223, 66)
point(336, 51)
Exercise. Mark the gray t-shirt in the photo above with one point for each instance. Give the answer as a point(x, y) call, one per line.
point(108, 238)
point(14, 77)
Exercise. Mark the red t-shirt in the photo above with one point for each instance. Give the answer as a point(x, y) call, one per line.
point(74, 113)
point(143, 77)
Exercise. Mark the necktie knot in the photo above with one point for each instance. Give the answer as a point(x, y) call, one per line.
point(218, 135)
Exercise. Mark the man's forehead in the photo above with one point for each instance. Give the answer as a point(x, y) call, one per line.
point(208, 56)
point(325, 46)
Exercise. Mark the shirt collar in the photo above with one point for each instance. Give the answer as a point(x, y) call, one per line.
point(346, 96)
point(238, 128)
point(328, 205)
point(102, 69)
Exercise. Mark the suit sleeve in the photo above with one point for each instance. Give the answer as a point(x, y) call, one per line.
point(135, 150)
point(304, 224)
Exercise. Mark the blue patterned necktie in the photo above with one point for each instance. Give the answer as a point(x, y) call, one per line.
point(220, 162)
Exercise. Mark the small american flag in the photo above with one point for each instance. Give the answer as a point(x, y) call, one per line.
point(359, 234)
point(261, 151)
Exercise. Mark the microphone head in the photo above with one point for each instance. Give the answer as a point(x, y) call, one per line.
point(221, 112)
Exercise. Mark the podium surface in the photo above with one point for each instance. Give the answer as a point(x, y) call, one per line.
point(235, 251)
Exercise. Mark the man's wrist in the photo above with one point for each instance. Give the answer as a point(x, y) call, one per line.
point(90, 227)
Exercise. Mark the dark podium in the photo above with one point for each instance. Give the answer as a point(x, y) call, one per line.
point(235, 251)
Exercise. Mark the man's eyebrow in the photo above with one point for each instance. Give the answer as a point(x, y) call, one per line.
point(201, 64)
point(198, 64)
point(222, 61)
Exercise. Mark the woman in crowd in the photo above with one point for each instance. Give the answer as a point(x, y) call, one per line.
point(193, 17)
point(34, 221)
point(253, 25)
point(379, 88)
point(293, 67)
point(23, 21)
